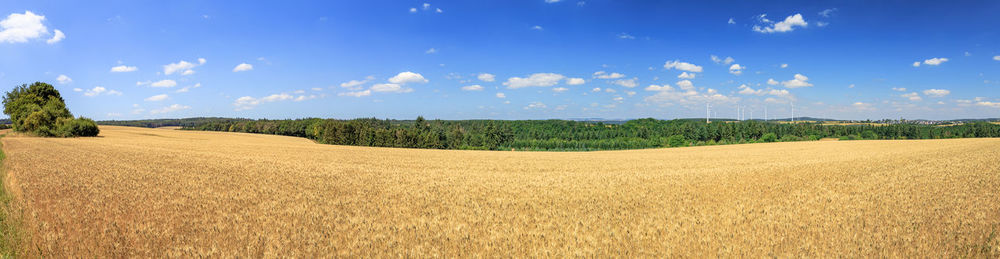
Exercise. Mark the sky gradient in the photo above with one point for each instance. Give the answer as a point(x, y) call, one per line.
point(534, 59)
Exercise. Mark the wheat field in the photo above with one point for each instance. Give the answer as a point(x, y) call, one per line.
point(169, 193)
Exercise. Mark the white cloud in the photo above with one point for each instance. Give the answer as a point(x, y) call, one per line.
point(413, 10)
point(863, 106)
point(438, 10)
point(682, 66)
point(605, 75)
point(560, 89)
point(626, 36)
point(934, 61)
point(609, 90)
point(501, 95)
point(276, 97)
point(997, 58)
point(157, 98)
point(936, 92)
point(822, 24)
point(784, 65)
point(685, 75)
point(537, 28)
point(182, 66)
point(916, 64)
point(171, 108)
point(317, 89)
point(989, 104)
point(771, 81)
point(657, 88)
point(19, 28)
point(305, 97)
point(486, 77)
point(912, 96)
point(575, 81)
point(731, 21)
point(243, 67)
point(57, 37)
point(736, 69)
point(63, 79)
point(899, 89)
point(596, 89)
point(356, 93)
point(355, 84)
point(472, 88)
point(407, 77)
point(164, 83)
point(427, 6)
point(726, 61)
point(627, 82)
point(391, 88)
point(188, 88)
point(535, 80)
point(618, 99)
point(827, 12)
point(535, 105)
point(100, 90)
point(123, 68)
point(799, 81)
point(552, 1)
point(430, 51)
point(784, 26)
point(77, 90)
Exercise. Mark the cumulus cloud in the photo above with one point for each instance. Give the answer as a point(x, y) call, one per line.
point(771, 81)
point(916, 64)
point(787, 25)
point(560, 89)
point(736, 69)
point(356, 84)
point(936, 92)
point(725, 61)
point(164, 83)
point(537, 28)
point(431, 51)
point(472, 88)
point(657, 88)
point(391, 88)
point(784, 65)
point(99, 90)
point(799, 81)
point(63, 79)
point(243, 67)
point(407, 77)
point(56, 37)
point(124, 68)
point(731, 21)
point(626, 36)
point(157, 98)
point(20, 28)
point(627, 82)
point(535, 105)
point(605, 75)
point(305, 97)
point(356, 93)
point(827, 12)
point(184, 67)
point(989, 104)
point(997, 58)
point(247, 102)
point(169, 109)
point(899, 89)
point(535, 80)
point(686, 75)
point(188, 88)
point(501, 95)
point(932, 62)
point(486, 77)
point(912, 96)
point(684, 66)
point(863, 106)
point(575, 81)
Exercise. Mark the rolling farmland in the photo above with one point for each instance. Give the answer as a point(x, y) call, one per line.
point(160, 192)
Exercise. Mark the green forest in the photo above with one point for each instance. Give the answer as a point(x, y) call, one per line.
point(563, 135)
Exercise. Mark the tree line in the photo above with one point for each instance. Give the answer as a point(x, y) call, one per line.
point(38, 109)
point(576, 135)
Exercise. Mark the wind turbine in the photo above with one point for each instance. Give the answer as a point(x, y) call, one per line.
point(708, 112)
point(793, 111)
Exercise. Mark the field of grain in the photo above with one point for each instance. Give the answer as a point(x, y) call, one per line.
point(158, 192)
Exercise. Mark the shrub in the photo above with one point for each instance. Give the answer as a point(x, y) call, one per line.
point(787, 138)
point(868, 134)
point(676, 141)
point(769, 137)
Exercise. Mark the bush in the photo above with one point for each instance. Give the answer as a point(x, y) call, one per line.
point(676, 141)
point(769, 137)
point(787, 138)
point(38, 109)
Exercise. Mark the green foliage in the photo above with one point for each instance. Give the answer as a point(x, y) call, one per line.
point(676, 141)
point(868, 134)
point(788, 138)
point(39, 109)
point(769, 137)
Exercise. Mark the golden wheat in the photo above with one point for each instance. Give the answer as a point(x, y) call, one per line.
point(157, 192)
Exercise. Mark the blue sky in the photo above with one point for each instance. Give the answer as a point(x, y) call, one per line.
point(532, 59)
